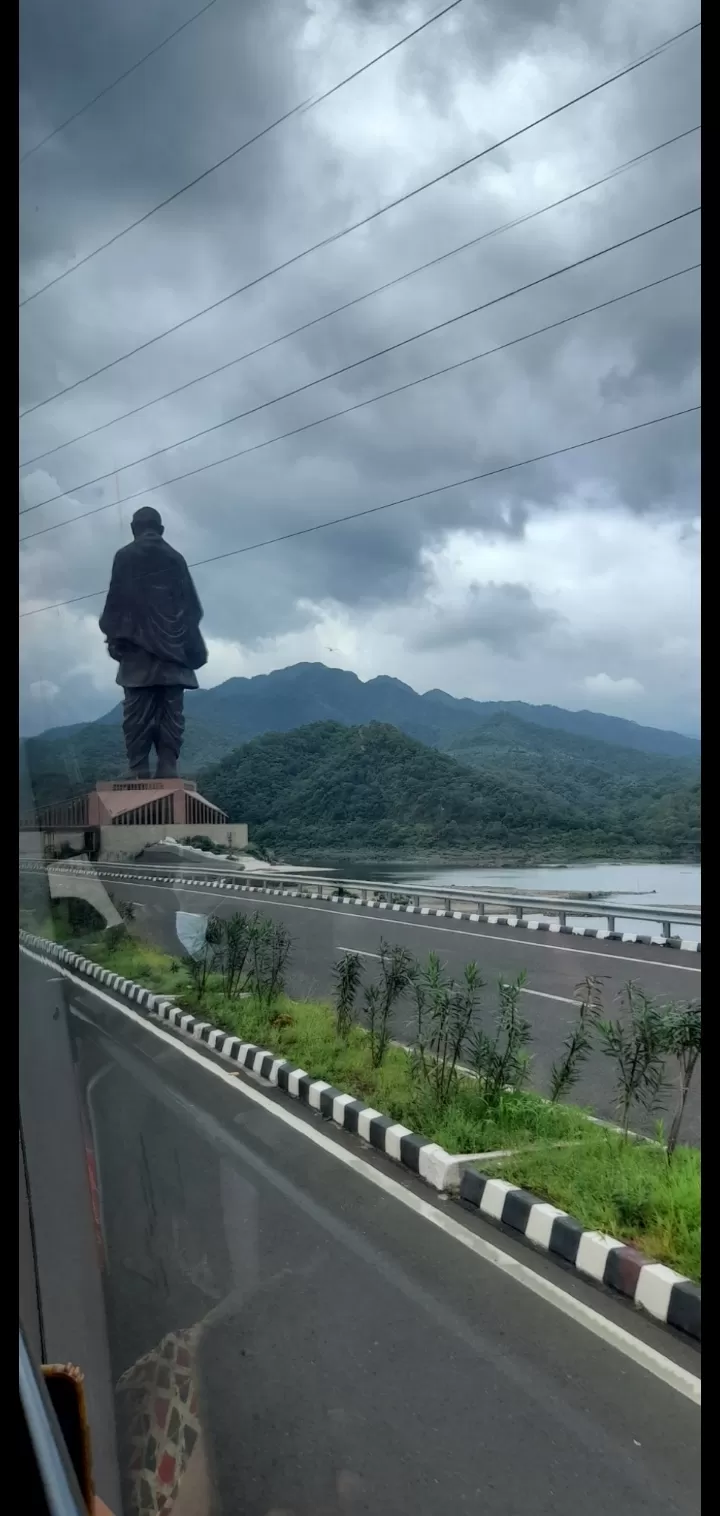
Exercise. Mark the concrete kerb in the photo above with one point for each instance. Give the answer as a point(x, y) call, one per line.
point(660, 1292)
point(641, 939)
point(427, 1159)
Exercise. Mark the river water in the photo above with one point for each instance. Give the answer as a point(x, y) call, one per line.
point(643, 884)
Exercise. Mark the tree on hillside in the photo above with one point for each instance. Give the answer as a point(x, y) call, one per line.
point(329, 787)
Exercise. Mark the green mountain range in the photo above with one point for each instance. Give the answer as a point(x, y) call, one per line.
point(429, 773)
point(305, 693)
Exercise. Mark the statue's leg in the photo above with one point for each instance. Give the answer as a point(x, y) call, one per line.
point(139, 714)
point(170, 728)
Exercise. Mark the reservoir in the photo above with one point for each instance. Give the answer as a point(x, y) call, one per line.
point(643, 884)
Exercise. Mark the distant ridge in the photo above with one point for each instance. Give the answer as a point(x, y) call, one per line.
point(315, 759)
point(240, 709)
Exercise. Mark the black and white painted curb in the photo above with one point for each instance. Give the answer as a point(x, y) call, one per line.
point(229, 886)
point(424, 1158)
point(656, 1289)
point(668, 1297)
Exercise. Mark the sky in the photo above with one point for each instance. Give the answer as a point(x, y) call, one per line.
point(574, 580)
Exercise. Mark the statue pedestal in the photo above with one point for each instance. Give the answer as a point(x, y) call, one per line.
point(151, 802)
point(120, 817)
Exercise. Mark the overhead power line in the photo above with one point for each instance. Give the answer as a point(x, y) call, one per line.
point(356, 225)
point(304, 105)
point(115, 82)
point(420, 268)
point(374, 510)
point(347, 410)
point(358, 363)
point(360, 405)
point(397, 389)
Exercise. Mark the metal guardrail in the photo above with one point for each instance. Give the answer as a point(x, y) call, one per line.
point(445, 898)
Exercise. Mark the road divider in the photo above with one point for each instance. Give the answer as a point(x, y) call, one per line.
point(660, 1292)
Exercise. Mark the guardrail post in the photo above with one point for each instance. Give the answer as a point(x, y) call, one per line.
point(448, 904)
point(416, 902)
point(562, 918)
point(364, 896)
point(667, 928)
point(610, 923)
point(519, 912)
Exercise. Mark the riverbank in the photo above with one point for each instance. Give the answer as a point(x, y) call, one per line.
point(243, 861)
point(607, 884)
point(487, 860)
point(676, 883)
point(341, 862)
point(619, 886)
point(505, 858)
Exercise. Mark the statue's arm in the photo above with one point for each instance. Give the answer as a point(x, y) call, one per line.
point(193, 596)
point(108, 615)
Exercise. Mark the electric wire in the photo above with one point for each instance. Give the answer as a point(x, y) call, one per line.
point(305, 326)
point(373, 510)
point(357, 363)
point(364, 221)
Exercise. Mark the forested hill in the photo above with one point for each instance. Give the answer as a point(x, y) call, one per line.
point(507, 789)
point(553, 756)
point(328, 788)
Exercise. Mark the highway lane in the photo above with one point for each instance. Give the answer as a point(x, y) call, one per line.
point(554, 966)
point(665, 972)
point(352, 1356)
point(63, 1238)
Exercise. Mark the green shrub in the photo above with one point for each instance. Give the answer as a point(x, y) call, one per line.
point(637, 1046)
point(578, 1044)
point(628, 1189)
point(445, 1012)
point(347, 973)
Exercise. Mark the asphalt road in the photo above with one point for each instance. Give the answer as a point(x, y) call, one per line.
point(66, 1283)
point(354, 1357)
point(554, 967)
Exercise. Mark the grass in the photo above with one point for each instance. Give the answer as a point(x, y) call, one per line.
point(623, 1188)
point(626, 1189)
point(304, 1031)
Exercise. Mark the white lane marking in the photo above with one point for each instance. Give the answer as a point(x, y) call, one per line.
point(542, 994)
point(609, 1332)
point(456, 931)
point(361, 952)
point(545, 995)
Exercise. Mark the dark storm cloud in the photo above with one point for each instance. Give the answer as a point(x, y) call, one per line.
point(477, 75)
point(503, 616)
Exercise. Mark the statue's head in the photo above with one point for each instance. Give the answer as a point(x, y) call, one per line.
point(147, 519)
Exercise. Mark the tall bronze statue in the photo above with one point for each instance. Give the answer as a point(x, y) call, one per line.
point(152, 621)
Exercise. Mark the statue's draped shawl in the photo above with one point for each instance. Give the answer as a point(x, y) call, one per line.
point(152, 605)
